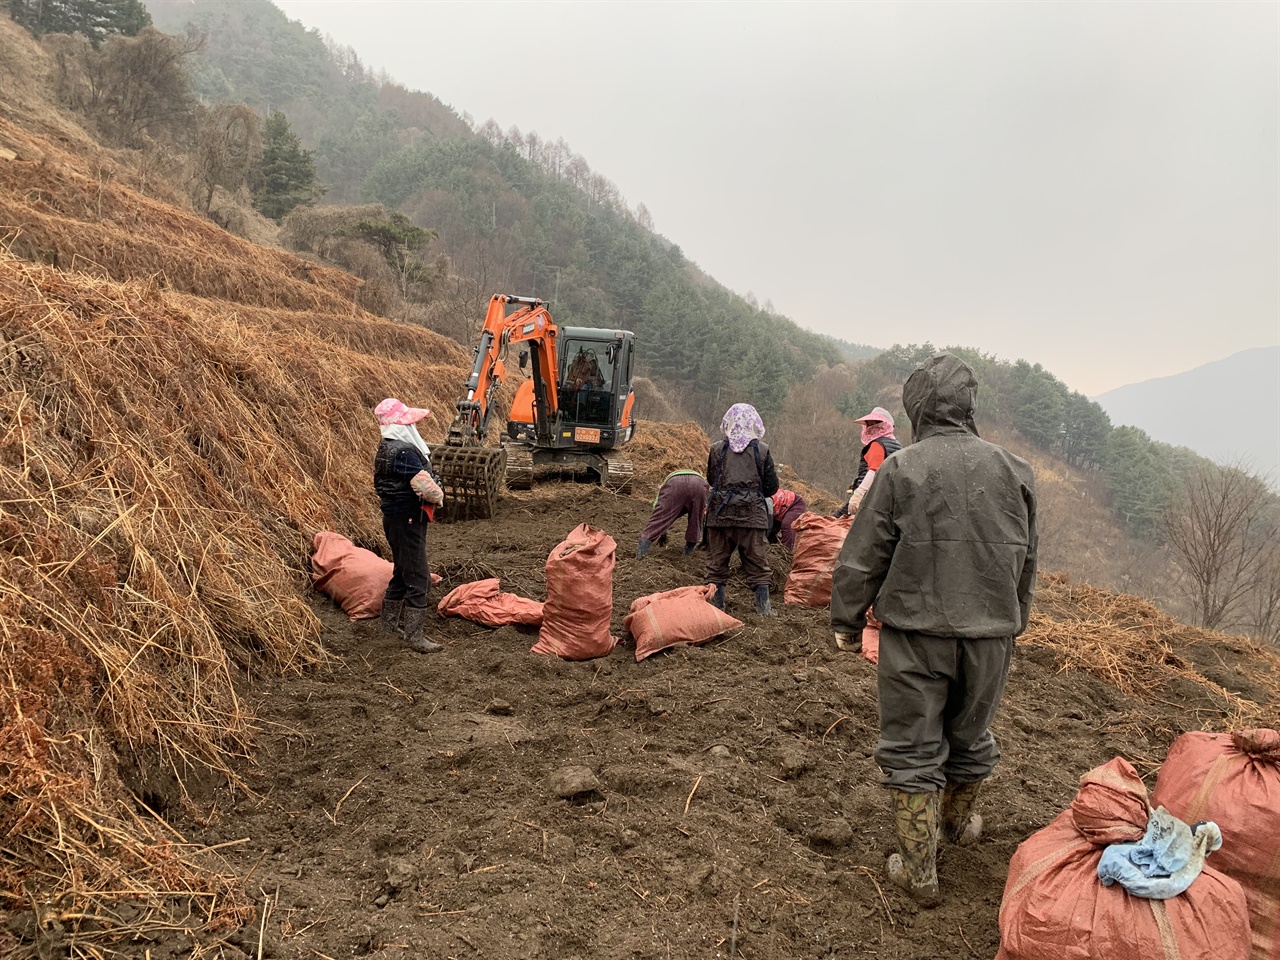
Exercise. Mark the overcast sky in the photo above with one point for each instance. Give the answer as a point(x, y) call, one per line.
point(1091, 186)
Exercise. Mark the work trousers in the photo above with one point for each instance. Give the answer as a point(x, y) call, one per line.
point(684, 495)
point(411, 576)
point(750, 544)
point(938, 696)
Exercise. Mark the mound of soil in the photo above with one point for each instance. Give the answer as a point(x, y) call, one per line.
point(712, 801)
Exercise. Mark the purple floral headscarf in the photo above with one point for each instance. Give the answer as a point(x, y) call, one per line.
point(742, 425)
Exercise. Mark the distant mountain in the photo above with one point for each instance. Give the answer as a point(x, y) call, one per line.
point(1225, 410)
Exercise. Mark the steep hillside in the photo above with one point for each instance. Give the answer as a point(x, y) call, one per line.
point(512, 211)
point(202, 758)
point(1227, 410)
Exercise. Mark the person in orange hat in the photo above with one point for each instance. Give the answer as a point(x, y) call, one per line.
point(409, 493)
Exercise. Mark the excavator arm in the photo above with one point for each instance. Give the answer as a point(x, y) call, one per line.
point(529, 324)
point(470, 472)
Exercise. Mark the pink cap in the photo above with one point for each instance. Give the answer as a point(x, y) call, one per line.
point(878, 415)
point(392, 411)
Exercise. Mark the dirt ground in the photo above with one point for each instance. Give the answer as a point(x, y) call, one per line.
point(403, 803)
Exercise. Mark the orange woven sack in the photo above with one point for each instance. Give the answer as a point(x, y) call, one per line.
point(1233, 779)
point(483, 602)
point(683, 615)
point(1056, 908)
point(575, 618)
point(355, 577)
point(818, 543)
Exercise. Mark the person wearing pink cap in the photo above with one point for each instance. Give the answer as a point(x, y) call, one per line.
point(409, 494)
point(878, 442)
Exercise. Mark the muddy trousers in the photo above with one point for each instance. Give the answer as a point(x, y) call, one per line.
point(683, 496)
point(938, 696)
point(411, 576)
point(750, 544)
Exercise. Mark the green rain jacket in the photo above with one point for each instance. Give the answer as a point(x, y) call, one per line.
point(945, 541)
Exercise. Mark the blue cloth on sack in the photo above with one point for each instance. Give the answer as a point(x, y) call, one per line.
point(1165, 861)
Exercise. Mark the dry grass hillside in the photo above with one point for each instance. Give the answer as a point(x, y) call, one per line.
point(180, 410)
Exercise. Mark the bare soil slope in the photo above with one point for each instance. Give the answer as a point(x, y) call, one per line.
point(405, 806)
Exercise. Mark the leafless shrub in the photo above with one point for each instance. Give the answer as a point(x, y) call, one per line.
point(1222, 531)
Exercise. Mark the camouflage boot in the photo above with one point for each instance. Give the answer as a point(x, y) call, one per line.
point(389, 619)
point(914, 867)
point(959, 823)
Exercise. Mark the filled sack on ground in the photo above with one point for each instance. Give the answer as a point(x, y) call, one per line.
point(818, 543)
point(1233, 779)
point(356, 578)
point(1056, 908)
point(484, 602)
point(575, 618)
point(683, 615)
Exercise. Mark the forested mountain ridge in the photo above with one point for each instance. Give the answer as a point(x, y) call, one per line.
point(511, 210)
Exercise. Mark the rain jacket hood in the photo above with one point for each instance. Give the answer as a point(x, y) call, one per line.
point(940, 397)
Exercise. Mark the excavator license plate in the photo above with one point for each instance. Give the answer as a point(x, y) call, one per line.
point(586, 435)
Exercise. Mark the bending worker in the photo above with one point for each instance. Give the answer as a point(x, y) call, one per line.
point(787, 507)
point(404, 484)
point(741, 473)
point(683, 493)
point(945, 546)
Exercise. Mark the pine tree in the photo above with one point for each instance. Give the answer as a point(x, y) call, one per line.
point(96, 19)
point(286, 176)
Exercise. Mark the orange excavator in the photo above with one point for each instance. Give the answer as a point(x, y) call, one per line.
point(575, 409)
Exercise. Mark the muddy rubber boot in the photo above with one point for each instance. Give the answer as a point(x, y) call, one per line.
point(415, 622)
point(959, 823)
point(389, 619)
point(914, 867)
point(849, 642)
point(718, 600)
point(689, 548)
point(643, 548)
point(763, 607)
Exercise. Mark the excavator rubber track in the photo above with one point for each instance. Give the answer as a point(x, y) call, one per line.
point(519, 469)
point(472, 479)
point(616, 474)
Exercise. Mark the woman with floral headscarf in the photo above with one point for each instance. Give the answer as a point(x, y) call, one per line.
point(742, 476)
point(409, 495)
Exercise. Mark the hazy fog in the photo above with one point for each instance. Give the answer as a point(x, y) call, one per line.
point(1088, 185)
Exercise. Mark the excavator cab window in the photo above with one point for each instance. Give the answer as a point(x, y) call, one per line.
point(586, 391)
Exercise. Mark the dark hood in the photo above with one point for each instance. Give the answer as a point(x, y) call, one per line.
point(940, 396)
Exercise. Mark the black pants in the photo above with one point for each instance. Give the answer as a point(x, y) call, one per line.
point(411, 578)
point(938, 696)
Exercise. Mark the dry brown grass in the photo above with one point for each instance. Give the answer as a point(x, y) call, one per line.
point(179, 412)
point(1149, 655)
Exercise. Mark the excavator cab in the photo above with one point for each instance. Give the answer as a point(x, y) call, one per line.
point(594, 401)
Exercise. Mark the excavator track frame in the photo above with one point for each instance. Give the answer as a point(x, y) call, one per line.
point(615, 472)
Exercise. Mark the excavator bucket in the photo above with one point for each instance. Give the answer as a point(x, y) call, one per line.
point(471, 478)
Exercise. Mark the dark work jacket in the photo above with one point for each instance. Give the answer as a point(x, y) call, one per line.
point(394, 465)
point(739, 484)
point(890, 445)
point(945, 542)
